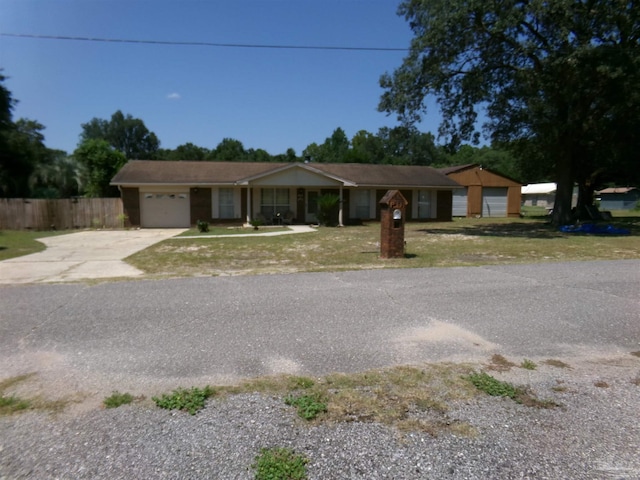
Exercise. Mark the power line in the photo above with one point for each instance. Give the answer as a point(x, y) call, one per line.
point(201, 44)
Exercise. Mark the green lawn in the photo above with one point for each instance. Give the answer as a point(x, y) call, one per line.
point(18, 243)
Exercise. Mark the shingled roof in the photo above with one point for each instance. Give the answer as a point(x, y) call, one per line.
point(157, 172)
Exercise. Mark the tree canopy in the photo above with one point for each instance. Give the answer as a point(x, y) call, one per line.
point(559, 81)
point(124, 133)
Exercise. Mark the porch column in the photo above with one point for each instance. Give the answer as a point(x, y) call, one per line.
point(248, 205)
point(340, 224)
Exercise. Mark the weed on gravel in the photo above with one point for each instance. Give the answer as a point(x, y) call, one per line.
point(190, 400)
point(117, 399)
point(280, 464)
point(11, 403)
point(497, 388)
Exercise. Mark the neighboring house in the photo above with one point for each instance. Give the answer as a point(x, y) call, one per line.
point(544, 195)
point(539, 195)
point(178, 194)
point(619, 198)
point(486, 193)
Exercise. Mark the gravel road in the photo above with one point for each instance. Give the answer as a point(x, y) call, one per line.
point(146, 337)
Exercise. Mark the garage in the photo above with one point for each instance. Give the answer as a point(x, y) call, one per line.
point(164, 210)
point(494, 202)
point(486, 193)
point(459, 208)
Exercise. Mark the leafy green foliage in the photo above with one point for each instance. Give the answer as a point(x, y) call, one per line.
point(190, 400)
point(203, 227)
point(116, 399)
point(328, 209)
point(309, 406)
point(280, 464)
point(102, 162)
point(492, 386)
point(557, 80)
point(125, 134)
point(496, 388)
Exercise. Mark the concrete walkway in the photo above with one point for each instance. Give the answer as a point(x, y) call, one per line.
point(262, 233)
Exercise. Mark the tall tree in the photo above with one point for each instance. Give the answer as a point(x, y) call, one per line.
point(124, 133)
point(560, 78)
point(229, 150)
point(24, 142)
point(61, 176)
point(102, 162)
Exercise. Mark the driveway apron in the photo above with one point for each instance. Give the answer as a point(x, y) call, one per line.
point(83, 255)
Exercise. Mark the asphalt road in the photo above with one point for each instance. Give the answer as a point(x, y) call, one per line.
point(146, 336)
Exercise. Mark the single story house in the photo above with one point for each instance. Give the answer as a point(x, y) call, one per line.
point(539, 195)
point(179, 193)
point(619, 198)
point(486, 193)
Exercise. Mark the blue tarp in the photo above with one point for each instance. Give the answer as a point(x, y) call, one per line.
point(595, 229)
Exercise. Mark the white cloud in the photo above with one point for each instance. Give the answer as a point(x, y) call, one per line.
point(174, 96)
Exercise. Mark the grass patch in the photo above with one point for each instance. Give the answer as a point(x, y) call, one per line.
point(189, 400)
point(117, 399)
point(407, 398)
point(279, 464)
point(496, 388)
point(556, 363)
point(500, 363)
point(463, 242)
point(11, 403)
point(17, 243)
point(528, 365)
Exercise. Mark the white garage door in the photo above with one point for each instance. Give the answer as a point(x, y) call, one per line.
point(165, 210)
point(459, 203)
point(494, 202)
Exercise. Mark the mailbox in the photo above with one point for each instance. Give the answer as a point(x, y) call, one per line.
point(392, 217)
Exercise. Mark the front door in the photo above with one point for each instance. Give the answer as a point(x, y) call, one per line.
point(311, 209)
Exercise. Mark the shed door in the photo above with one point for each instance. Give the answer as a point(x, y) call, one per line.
point(459, 203)
point(164, 210)
point(494, 202)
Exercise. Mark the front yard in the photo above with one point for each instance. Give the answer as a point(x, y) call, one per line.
point(463, 242)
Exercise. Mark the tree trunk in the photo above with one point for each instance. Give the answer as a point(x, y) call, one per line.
point(562, 214)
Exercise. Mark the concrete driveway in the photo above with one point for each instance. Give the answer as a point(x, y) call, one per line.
point(83, 255)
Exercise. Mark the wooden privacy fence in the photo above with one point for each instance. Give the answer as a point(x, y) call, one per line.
point(46, 214)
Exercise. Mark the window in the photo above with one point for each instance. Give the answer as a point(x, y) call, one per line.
point(274, 201)
point(362, 202)
point(225, 203)
point(424, 204)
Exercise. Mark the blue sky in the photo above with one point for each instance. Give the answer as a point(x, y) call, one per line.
point(266, 98)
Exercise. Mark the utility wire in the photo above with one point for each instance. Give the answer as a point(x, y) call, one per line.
point(201, 44)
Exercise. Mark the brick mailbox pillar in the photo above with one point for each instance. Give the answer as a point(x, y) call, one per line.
point(392, 216)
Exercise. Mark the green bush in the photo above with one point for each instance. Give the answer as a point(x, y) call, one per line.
point(280, 464)
point(328, 209)
point(203, 226)
point(190, 400)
